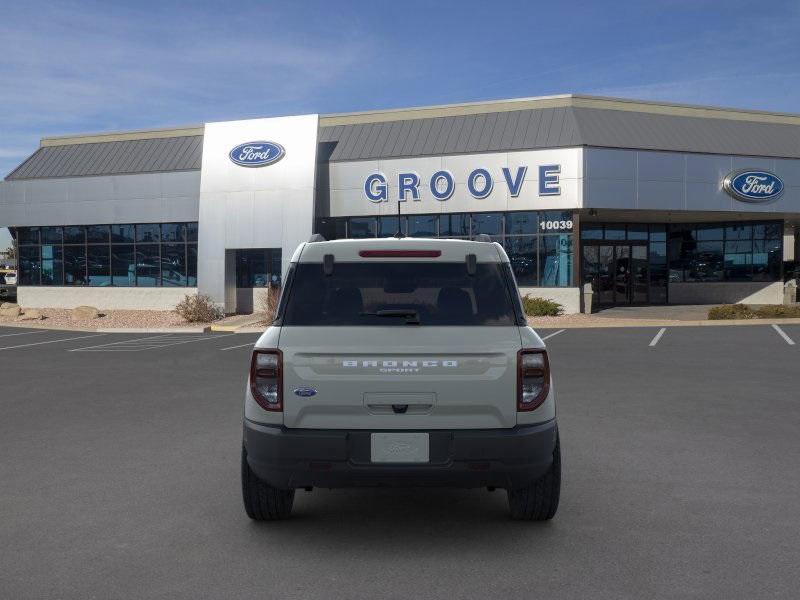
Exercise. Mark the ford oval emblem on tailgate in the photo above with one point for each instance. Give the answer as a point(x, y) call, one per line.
point(305, 392)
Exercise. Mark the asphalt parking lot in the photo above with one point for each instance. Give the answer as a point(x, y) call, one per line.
point(119, 478)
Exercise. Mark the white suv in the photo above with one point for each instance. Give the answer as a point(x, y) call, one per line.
point(400, 362)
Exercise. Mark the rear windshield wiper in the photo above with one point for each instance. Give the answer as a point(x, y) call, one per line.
point(411, 315)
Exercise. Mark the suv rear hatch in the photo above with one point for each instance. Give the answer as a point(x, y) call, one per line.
point(405, 343)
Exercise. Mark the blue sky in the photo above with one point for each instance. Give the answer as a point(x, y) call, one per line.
point(74, 67)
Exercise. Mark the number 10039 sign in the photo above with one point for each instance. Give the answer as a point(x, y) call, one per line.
point(545, 226)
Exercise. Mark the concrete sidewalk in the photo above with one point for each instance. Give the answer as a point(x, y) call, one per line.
point(695, 312)
point(648, 316)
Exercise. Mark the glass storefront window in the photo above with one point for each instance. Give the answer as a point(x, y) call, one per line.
point(423, 225)
point(767, 231)
point(74, 235)
point(52, 265)
point(74, 265)
point(257, 267)
point(98, 259)
point(122, 234)
point(522, 253)
point(591, 231)
point(454, 225)
point(51, 235)
point(123, 265)
point(522, 223)
point(191, 232)
point(614, 231)
point(488, 223)
point(709, 233)
point(107, 255)
point(191, 267)
point(387, 226)
point(173, 232)
point(173, 265)
point(726, 252)
point(363, 227)
point(27, 235)
point(97, 234)
point(518, 232)
point(739, 231)
point(148, 233)
point(638, 232)
point(29, 264)
point(658, 233)
point(148, 264)
point(555, 260)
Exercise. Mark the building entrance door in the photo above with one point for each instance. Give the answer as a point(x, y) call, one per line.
point(618, 272)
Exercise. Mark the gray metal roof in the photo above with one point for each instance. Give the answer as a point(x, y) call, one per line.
point(559, 127)
point(182, 153)
point(523, 124)
point(488, 132)
point(647, 131)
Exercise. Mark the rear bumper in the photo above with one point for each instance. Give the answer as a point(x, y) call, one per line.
point(296, 458)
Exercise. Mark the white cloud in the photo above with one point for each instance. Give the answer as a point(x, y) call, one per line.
point(70, 68)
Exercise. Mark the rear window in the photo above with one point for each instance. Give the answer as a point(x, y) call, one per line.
point(401, 294)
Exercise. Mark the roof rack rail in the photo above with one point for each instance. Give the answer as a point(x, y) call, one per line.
point(483, 237)
point(316, 237)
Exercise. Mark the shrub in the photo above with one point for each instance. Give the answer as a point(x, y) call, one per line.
point(731, 311)
point(541, 307)
point(268, 302)
point(197, 308)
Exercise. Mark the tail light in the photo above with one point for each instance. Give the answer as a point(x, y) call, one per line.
point(266, 378)
point(533, 379)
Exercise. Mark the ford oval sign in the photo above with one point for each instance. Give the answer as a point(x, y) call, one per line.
point(753, 186)
point(305, 392)
point(257, 154)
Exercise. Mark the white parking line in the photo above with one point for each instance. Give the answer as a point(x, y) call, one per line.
point(25, 333)
point(658, 337)
point(782, 333)
point(83, 337)
point(153, 343)
point(548, 336)
point(122, 342)
point(251, 344)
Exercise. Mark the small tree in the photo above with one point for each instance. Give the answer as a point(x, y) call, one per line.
point(10, 252)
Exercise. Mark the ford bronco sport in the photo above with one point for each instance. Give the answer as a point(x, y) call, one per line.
point(400, 362)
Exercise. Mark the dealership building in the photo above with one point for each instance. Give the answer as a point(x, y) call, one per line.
point(650, 203)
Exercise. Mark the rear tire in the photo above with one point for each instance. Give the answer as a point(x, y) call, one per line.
point(538, 501)
point(262, 502)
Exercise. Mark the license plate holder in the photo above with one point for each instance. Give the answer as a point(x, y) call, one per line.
point(407, 447)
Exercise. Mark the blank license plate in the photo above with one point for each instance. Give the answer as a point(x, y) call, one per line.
point(400, 448)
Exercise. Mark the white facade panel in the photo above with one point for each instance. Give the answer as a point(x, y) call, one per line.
point(347, 180)
point(610, 193)
point(645, 180)
point(661, 166)
point(601, 163)
point(269, 206)
point(660, 195)
point(100, 200)
point(708, 168)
